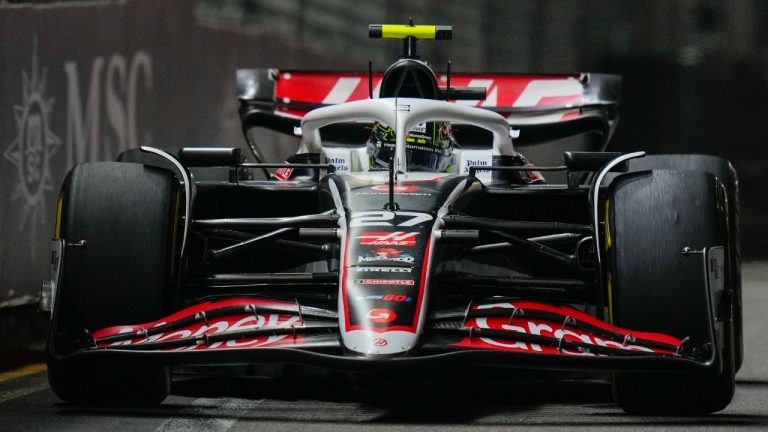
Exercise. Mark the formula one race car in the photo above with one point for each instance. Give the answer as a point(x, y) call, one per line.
point(406, 233)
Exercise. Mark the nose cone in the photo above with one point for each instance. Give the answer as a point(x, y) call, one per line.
point(384, 280)
point(386, 255)
point(374, 343)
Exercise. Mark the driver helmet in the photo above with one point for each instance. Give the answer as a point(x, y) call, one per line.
point(428, 147)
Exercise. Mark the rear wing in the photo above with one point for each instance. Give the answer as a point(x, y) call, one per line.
point(545, 107)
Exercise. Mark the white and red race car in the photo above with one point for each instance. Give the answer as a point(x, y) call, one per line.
point(407, 233)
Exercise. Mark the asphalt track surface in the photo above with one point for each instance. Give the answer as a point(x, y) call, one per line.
point(311, 402)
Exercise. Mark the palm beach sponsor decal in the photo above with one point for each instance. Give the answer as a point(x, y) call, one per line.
point(383, 269)
point(398, 298)
point(475, 162)
point(381, 315)
point(384, 282)
point(340, 163)
point(386, 255)
point(397, 238)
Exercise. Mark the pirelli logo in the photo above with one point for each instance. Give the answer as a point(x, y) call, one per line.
point(383, 269)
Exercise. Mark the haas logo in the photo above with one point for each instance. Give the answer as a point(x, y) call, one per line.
point(397, 238)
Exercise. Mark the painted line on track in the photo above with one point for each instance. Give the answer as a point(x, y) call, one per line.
point(23, 371)
point(22, 382)
point(209, 414)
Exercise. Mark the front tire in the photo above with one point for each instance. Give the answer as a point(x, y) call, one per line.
point(128, 215)
point(726, 173)
point(650, 217)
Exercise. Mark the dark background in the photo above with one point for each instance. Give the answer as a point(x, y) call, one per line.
point(695, 81)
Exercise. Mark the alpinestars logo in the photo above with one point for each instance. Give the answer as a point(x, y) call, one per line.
point(34, 145)
point(397, 238)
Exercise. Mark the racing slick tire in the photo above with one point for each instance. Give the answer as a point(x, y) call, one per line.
point(650, 217)
point(726, 173)
point(128, 215)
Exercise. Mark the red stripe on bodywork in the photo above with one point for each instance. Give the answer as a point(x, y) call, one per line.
point(519, 323)
point(422, 282)
point(237, 321)
point(503, 91)
point(192, 310)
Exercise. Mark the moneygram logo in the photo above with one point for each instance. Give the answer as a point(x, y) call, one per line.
point(397, 238)
point(386, 255)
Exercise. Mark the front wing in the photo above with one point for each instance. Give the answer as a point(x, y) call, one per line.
point(508, 333)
